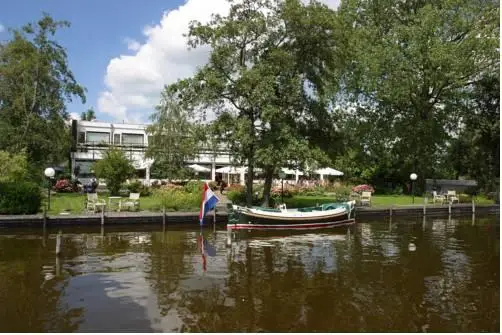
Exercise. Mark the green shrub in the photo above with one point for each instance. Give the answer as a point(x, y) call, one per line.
point(115, 168)
point(13, 167)
point(342, 192)
point(19, 198)
point(237, 197)
point(176, 199)
point(138, 187)
point(194, 186)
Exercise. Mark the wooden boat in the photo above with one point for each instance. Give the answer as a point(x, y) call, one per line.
point(323, 216)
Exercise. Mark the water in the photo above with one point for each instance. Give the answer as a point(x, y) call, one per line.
point(411, 276)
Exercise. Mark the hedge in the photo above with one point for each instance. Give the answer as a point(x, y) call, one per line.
point(19, 198)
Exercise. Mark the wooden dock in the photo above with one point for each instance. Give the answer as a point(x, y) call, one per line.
point(192, 218)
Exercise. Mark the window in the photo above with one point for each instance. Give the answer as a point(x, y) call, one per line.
point(84, 169)
point(81, 137)
point(98, 137)
point(116, 138)
point(133, 139)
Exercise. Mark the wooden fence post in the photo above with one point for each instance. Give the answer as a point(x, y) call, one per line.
point(45, 217)
point(58, 243)
point(229, 236)
point(102, 215)
point(164, 218)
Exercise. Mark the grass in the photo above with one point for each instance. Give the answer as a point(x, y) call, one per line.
point(376, 200)
point(74, 203)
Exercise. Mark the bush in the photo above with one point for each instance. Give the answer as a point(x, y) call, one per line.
point(115, 168)
point(177, 199)
point(138, 187)
point(363, 188)
point(237, 197)
point(64, 186)
point(13, 167)
point(19, 198)
point(342, 193)
point(194, 186)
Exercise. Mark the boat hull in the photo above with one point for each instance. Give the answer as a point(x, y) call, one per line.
point(257, 218)
point(289, 225)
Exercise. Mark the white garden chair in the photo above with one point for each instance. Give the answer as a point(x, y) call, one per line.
point(132, 201)
point(437, 197)
point(93, 203)
point(452, 197)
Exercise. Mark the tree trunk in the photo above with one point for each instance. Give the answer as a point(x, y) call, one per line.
point(249, 183)
point(269, 173)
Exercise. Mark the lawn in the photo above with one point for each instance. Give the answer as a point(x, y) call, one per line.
point(376, 200)
point(74, 203)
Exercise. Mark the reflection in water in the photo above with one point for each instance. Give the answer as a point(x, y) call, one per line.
point(362, 279)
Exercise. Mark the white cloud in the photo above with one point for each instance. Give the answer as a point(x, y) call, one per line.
point(134, 82)
point(132, 45)
point(2, 28)
point(74, 116)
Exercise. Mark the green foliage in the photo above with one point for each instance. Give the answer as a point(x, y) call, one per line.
point(137, 187)
point(412, 66)
point(35, 87)
point(89, 115)
point(19, 197)
point(175, 139)
point(13, 167)
point(176, 199)
point(476, 151)
point(115, 168)
point(194, 186)
point(270, 67)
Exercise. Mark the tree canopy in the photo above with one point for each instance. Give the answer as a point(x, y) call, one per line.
point(267, 81)
point(35, 85)
point(415, 64)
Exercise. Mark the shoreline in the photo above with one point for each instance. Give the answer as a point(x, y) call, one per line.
point(191, 218)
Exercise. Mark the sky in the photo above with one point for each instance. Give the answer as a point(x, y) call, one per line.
point(122, 51)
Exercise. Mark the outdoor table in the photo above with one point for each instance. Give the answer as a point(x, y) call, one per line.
point(112, 200)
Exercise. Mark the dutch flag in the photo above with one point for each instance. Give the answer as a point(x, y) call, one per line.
point(209, 201)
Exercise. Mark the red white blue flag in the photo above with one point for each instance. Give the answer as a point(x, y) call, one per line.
point(209, 201)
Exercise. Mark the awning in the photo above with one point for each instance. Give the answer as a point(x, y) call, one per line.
point(199, 168)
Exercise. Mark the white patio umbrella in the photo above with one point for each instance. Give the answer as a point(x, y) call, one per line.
point(199, 168)
point(229, 170)
point(329, 172)
point(295, 172)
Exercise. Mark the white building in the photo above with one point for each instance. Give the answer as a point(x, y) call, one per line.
point(91, 138)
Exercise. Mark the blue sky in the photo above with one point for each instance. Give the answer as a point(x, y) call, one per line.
point(122, 52)
point(96, 35)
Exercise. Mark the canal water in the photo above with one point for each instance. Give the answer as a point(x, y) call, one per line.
point(438, 275)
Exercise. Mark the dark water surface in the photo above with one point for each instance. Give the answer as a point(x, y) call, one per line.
point(366, 278)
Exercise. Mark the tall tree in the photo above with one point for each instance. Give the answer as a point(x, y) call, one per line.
point(88, 115)
point(175, 138)
point(269, 63)
point(476, 150)
point(35, 85)
point(413, 63)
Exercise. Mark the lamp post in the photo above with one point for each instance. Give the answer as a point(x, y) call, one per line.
point(413, 177)
point(49, 173)
point(282, 175)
